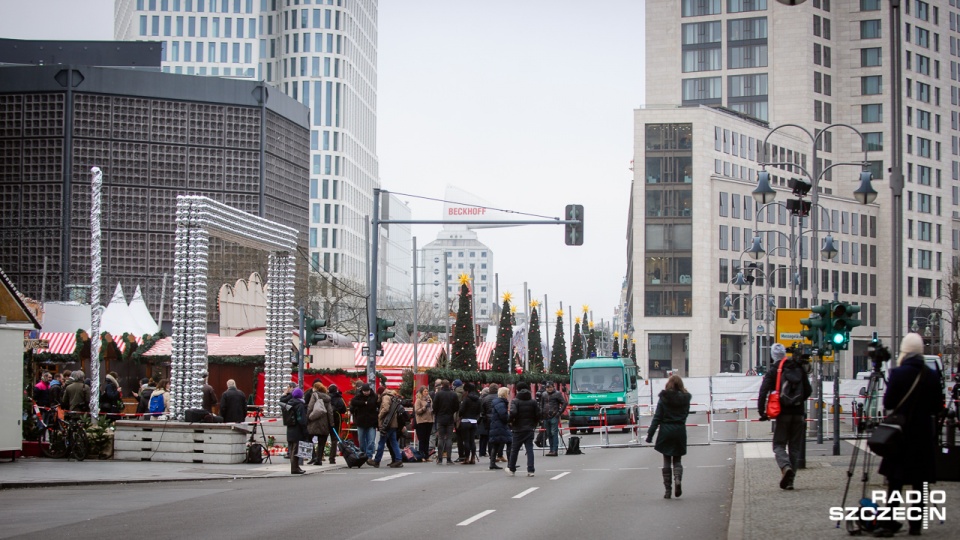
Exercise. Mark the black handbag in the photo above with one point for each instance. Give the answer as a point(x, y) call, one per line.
point(541, 439)
point(887, 438)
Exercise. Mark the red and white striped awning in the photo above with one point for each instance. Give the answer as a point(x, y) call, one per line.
point(400, 355)
point(66, 342)
point(218, 346)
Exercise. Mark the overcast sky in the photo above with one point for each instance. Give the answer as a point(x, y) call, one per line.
point(527, 103)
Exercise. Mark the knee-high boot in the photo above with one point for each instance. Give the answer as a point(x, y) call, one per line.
point(667, 480)
point(677, 477)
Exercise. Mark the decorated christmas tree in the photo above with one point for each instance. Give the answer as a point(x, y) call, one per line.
point(500, 361)
point(591, 343)
point(558, 359)
point(633, 351)
point(616, 344)
point(626, 346)
point(576, 343)
point(534, 347)
point(464, 353)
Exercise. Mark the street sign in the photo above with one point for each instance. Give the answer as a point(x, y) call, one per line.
point(364, 351)
point(36, 344)
point(788, 328)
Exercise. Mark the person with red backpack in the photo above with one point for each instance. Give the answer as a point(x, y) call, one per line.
point(786, 384)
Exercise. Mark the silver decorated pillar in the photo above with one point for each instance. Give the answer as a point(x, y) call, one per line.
point(96, 310)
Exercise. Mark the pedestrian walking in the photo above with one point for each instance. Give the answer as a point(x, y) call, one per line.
point(388, 425)
point(483, 422)
point(673, 407)
point(788, 430)
point(339, 409)
point(913, 390)
point(319, 421)
point(363, 410)
point(524, 417)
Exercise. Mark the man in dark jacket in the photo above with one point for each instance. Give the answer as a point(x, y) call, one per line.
point(209, 395)
point(483, 423)
point(233, 404)
point(552, 404)
point(790, 425)
point(76, 395)
point(445, 405)
point(363, 409)
point(143, 399)
point(524, 418)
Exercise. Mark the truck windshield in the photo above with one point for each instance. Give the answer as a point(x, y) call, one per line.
point(597, 380)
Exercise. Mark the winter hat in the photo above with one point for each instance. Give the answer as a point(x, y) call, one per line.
point(365, 387)
point(297, 393)
point(522, 385)
point(912, 344)
point(457, 383)
point(332, 388)
point(550, 384)
point(469, 387)
point(778, 351)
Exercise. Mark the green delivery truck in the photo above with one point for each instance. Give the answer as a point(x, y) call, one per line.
point(603, 385)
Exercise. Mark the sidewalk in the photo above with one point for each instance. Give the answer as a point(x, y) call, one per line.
point(761, 510)
point(43, 472)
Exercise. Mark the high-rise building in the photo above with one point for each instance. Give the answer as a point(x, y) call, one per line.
point(722, 75)
point(464, 254)
point(322, 53)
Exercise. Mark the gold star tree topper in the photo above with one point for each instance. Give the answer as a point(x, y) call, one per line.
point(534, 304)
point(559, 313)
point(507, 297)
point(464, 279)
point(576, 320)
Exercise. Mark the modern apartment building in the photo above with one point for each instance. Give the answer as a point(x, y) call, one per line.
point(463, 253)
point(322, 53)
point(722, 75)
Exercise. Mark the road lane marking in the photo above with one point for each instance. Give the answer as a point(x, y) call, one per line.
point(466, 522)
point(710, 466)
point(525, 492)
point(392, 476)
point(596, 469)
point(561, 475)
point(633, 468)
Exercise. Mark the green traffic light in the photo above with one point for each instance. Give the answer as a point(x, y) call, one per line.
point(838, 339)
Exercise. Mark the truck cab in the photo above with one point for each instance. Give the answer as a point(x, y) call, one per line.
point(603, 386)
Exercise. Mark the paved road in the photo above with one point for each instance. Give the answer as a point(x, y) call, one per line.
point(603, 493)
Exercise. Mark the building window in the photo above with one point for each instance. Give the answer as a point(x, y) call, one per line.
point(702, 89)
point(870, 57)
point(697, 8)
point(871, 85)
point(872, 113)
point(870, 29)
point(702, 60)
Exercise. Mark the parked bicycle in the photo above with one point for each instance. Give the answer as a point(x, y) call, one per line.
point(65, 437)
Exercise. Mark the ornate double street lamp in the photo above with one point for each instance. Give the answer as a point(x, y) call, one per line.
point(765, 194)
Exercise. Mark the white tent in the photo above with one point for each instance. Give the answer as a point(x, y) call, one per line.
point(141, 315)
point(116, 317)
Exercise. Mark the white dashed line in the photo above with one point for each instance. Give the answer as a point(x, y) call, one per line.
point(633, 468)
point(711, 466)
point(466, 522)
point(561, 475)
point(596, 469)
point(525, 492)
point(392, 476)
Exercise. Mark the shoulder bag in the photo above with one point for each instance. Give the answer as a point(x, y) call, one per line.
point(887, 437)
point(773, 398)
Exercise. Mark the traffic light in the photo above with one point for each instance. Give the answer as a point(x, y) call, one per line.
point(573, 232)
point(843, 322)
point(816, 325)
point(311, 333)
point(383, 330)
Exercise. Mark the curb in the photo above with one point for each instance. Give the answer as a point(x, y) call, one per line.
point(735, 528)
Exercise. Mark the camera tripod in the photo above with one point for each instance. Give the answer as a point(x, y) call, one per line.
point(867, 421)
point(258, 423)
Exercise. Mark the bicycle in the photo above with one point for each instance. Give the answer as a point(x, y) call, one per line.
point(66, 437)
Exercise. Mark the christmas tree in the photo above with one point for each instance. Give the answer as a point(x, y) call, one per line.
point(533, 340)
point(464, 354)
point(500, 362)
point(633, 351)
point(576, 343)
point(591, 343)
point(626, 346)
point(558, 359)
point(616, 344)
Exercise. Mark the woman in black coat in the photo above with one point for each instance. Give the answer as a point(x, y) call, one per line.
point(499, 433)
point(469, 413)
point(298, 431)
point(671, 417)
point(914, 463)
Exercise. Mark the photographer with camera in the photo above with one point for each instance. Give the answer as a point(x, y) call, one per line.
point(786, 382)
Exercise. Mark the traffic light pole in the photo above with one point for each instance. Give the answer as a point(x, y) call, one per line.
point(375, 223)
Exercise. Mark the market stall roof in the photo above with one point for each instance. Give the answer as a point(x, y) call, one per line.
point(218, 346)
point(141, 315)
point(400, 355)
point(66, 342)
